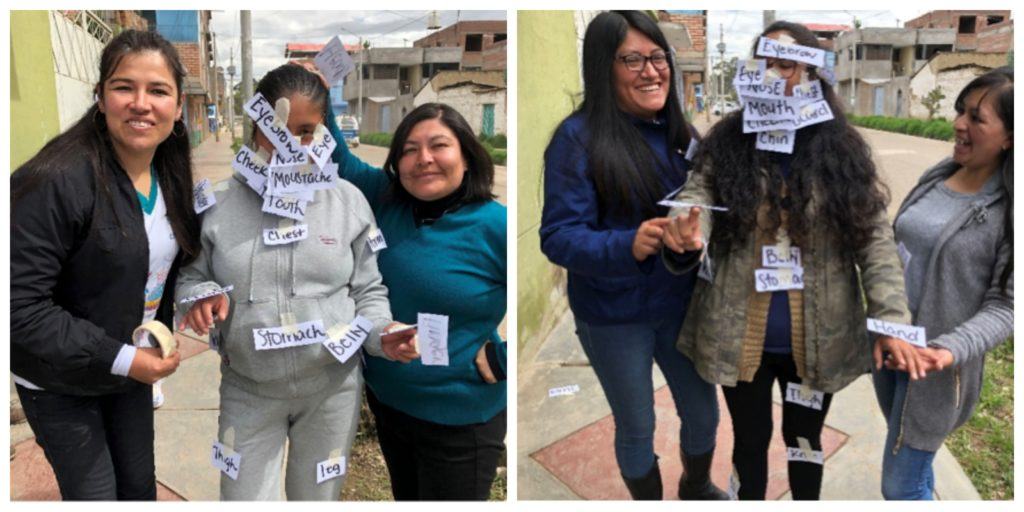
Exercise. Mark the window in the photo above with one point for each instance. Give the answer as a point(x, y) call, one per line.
point(992, 20)
point(474, 42)
point(927, 51)
point(385, 71)
point(501, 37)
point(876, 52)
point(966, 25)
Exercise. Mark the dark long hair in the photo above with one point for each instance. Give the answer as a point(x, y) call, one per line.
point(89, 138)
point(998, 82)
point(621, 162)
point(288, 79)
point(829, 158)
point(478, 179)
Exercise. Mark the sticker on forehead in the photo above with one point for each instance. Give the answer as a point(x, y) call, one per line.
point(777, 49)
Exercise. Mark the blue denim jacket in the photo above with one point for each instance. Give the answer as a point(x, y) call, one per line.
point(606, 284)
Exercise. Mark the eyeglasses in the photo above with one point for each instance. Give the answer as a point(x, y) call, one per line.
point(637, 62)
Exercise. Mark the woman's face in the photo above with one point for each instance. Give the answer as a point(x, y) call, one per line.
point(303, 118)
point(141, 103)
point(640, 92)
point(981, 136)
point(790, 71)
point(431, 165)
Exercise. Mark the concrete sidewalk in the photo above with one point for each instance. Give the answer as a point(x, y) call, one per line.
point(565, 449)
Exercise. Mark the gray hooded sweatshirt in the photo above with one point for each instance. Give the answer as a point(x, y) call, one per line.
point(329, 276)
point(963, 309)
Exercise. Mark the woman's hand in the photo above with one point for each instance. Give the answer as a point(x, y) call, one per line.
point(148, 366)
point(483, 366)
point(310, 65)
point(683, 233)
point(905, 357)
point(648, 237)
point(400, 346)
point(935, 359)
point(200, 317)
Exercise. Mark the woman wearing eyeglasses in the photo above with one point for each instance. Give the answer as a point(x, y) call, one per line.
point(606, 167)
point(824, 199)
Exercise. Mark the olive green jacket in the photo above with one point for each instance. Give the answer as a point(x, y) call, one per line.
point(836, 345)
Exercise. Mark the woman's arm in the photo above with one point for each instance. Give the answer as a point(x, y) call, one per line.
point(881, 274)
point(46, 225)
point(990, 325)
point(366, 285)
point(569, 232)
point(372, 181)
point(679, 232)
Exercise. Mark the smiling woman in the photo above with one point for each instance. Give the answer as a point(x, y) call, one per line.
point(101, 220)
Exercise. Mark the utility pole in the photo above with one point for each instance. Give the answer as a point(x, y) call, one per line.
point(246, 21)
point(721, 69)
point(231, 95)
point(216, 88)
point(362, 50)
point(768, 17)
point(853, 72)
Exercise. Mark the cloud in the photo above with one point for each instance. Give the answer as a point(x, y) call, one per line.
point(271, 30)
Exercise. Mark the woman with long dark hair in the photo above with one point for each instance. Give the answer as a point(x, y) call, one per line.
point(280, 384)
point(441, 426)
point(822, 207)
point(605, 169)
point(101, 220)
point(956, 231)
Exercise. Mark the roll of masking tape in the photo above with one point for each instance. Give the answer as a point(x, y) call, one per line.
point(163, 336)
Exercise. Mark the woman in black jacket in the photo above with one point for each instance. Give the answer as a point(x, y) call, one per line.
point(101, 219)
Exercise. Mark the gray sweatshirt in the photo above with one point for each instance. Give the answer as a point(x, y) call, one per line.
point(962, 308)
point(330, 276)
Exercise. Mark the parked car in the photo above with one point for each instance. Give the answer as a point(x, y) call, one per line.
point(724, 107)
point(349, 129)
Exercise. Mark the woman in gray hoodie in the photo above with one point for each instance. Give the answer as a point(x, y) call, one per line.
point(306, 293)
point(955, 235)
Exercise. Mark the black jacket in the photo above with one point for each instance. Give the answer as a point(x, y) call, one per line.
point(78, 278)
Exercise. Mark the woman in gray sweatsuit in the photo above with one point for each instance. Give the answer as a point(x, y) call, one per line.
point(278, 381)
point(955, 235)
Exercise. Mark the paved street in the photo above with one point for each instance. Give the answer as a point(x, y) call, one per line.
point(565, 443)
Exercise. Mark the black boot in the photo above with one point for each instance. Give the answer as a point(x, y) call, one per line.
point(647, 487)
point(695, 484)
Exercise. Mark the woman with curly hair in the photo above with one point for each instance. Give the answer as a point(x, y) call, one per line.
point(823, 209)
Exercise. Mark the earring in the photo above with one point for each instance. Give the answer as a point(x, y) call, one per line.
point(184, 129)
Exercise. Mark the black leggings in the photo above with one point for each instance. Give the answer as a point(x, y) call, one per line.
point(750, 405)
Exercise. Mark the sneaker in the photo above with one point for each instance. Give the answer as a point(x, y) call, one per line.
point(158, 394)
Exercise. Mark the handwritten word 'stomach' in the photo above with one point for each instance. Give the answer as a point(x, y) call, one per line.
point(305, 333)
point(767, 47)
point(910, 333)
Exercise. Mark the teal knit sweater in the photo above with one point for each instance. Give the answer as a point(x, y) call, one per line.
point(455, 267)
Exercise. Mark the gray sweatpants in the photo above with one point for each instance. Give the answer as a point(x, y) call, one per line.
point(317, 427)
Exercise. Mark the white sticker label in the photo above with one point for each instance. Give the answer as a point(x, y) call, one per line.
point(767, 47)
point(778, 279)
point(433, 339)
point(291, 207)
point(203, 194)
point(800, 455)
point(286, 336)
point(904, 254)
point(808, 91)
point(691, 150)
point(293, 179)
point(758, 109)
point(797, 394)
point(252, 168)
point(226, 460)
point(707, 268)
point(376, 240)
point(780, 256)
point(571, 389)
point(261, 111)
point(910, 333)
point(207, 295)
point(330, 468)
point(286, 235)
point(749, 72)
point(345, 340)
point(320, 151)
point(779, 141)
point(679, 204)
point(282, 160)
point(734, 485)
point(333, 61)
point(772, 89)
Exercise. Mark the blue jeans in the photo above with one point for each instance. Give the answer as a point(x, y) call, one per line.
point(906, 474)
point(623, 357)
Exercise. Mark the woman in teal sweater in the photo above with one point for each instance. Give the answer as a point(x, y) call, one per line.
point(441, 427)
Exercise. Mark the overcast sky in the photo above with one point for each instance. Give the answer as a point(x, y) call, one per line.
point(741, 27)
point(272, 29)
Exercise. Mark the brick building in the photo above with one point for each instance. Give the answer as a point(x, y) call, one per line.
point(483, 43)
point(687, 33)
point(826, 33)
point(968, 24)
point(996, 38)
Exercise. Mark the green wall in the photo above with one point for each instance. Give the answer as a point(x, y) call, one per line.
point(34, 118)
point(549, 84)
